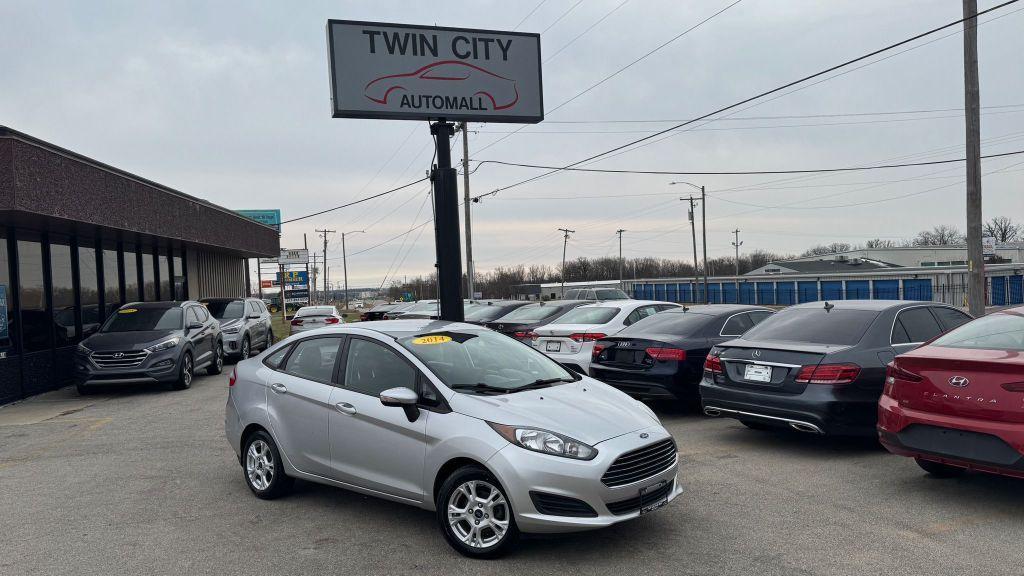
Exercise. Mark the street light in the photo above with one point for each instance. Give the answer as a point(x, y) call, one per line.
point(344, 261)
point(703, 233)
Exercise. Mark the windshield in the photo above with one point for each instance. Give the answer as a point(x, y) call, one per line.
point(993, 332)
point(487, 312)
point(587, 315)
point(222, 310)
point(475, 361)
point(531, 313)
point(611, 294)
point(814, 326)
point(144, 320)
point(676, 323)
point(423, 307)
point(403, 307)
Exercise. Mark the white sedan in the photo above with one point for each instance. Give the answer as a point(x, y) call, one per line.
point(570, 338)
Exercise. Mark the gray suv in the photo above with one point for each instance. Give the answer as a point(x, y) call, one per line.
point(244, 324)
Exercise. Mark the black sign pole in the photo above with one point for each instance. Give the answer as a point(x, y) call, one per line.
point(446, 225)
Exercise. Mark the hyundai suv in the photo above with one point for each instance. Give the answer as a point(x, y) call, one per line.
point(151, 343)
point(244, 324)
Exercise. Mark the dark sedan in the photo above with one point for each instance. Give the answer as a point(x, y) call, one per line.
point(520, 322)
point(662, 356)
point(819, 367)
point(377, 312)
point(492, 310)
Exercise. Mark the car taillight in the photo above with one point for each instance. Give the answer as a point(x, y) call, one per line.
point(713, 364)
point(1014, 386)
point(363, 317)
point(296, 322)
point(231, 379)
point(330, 320)
point(586, 336)
point(596, 352)
point(525, 335)
point(831, 374)
point(676, 354)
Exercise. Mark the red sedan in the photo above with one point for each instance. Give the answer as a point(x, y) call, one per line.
point(957, 403)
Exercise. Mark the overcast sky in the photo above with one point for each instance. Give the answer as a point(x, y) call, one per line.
point(230, 101)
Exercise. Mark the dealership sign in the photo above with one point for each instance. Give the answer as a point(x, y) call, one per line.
point(271, 218)
point(427, 72)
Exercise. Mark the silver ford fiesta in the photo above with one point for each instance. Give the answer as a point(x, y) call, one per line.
point(493, 435)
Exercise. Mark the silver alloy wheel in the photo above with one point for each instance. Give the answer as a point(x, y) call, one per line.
point(478, 514)
point(259, 465)
point(186, 371)
point(245, 348)
point(220, 357)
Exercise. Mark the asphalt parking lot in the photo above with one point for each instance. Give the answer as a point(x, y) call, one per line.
point(143, 482)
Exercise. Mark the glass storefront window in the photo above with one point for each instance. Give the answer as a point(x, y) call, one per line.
point(131, 274)
point(163, 267)
point(88, 286)
point(148, 275)
point(111, 280)
point(6, 308)
point(36, 324)
point(179, 277)
point(63, 289)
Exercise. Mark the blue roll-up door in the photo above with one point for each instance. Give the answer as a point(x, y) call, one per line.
point(1016, 295)
point(807, 291)
point(715, 293)
point(672, 292)
point(686, 292)
point(729, 293)
point(659, 292)
point(858, 290)
point(785, 293)
point(648, 291)
point(747, 292)
point(887, 290)
point(999, 290)
point(832, 290)
point(766, 292)
point(917, 289)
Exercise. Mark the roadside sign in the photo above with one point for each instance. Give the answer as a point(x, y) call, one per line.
point(4, 330)
point(271, 218)
point(988, 246)
point(267, 283)
point(300, 256)
point(403, 72)
point(293, 277)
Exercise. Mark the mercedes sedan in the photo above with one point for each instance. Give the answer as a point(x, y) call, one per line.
point(493, 436)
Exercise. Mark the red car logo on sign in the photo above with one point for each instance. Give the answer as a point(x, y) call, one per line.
point(431, 87)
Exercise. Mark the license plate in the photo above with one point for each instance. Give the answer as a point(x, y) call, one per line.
point(649, 504)
point(553, 346)
point(757, 373)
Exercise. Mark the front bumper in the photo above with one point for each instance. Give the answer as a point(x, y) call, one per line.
point(158, 368)
point(522, 472)
point(823, 407)
point(233, 342)
point(983, 445)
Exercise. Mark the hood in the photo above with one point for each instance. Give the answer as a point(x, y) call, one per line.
point(124, 341)
point(230, 322)
point(587, 410)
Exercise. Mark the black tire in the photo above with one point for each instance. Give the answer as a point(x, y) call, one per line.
point(270, 339)
point(245, 348)
point(940, 470)
point(501, 512)
point(84, 390)
point(217, 365)
point(185, 373)
point(264, 460)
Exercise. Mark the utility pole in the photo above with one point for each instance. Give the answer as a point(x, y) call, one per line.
point(565, 243)
point(619, 232)
point(972, 115)
point(324, 233)
point(467, 203)
point(344, 262)
point(737, 244)
point(314, 273)
point(704, 238)
point(693, 234)
point(309, 293)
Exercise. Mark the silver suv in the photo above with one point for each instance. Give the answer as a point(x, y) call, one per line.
point(244, 324)
point(493, 436)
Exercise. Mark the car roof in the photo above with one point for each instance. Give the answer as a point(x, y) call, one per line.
point(625, 302)
point(714, 309)
point(875, 305)
point(223, 299)
point(400, 328)
point(161, 304)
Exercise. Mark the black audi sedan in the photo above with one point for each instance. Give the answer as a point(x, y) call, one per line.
point(818, 367)
point(662, 356)
point(519, 323)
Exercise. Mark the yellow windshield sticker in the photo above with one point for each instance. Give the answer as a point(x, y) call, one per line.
point(128, 311)
point(436, 339)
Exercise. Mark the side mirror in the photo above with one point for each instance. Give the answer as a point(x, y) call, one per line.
point(194, 326)
point(403, 398)
point(253, 317)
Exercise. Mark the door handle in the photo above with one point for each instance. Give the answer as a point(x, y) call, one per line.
point(279, 388)
point(345, 408)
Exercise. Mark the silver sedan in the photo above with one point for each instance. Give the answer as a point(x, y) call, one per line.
point(492, 435)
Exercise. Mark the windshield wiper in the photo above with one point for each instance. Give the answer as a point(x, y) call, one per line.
point(482, 387)
point(542, 383)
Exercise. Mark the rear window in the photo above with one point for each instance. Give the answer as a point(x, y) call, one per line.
point(423, 307)
point(316, 311)
point(814, 326)
point(676, 323)
point(611, 294)
point(585, 315)
point(992, 332)
point(530, 313)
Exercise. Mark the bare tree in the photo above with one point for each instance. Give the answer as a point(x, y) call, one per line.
point(822, 250)
point(879, 243)
point(941, 235)
point(1003, 229)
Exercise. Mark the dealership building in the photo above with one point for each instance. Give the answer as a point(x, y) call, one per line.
point(78, 238)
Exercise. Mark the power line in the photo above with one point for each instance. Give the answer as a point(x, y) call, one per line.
point(354, 202)
point(564, 14)
point(528, 14)
point(585, 31)
point(755, 97)
point(741, 172)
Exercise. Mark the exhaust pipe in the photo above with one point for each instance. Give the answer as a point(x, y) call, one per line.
point(805, 427)
point(713, 412)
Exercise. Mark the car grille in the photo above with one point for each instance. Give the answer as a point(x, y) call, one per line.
point(119, 359)
point(641, 463)
point(555, 505)
point(633, 504)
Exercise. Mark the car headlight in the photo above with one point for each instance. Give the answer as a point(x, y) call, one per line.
point(545, 442)
point(231, 330)
point(165, 345)
point(83, 349)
